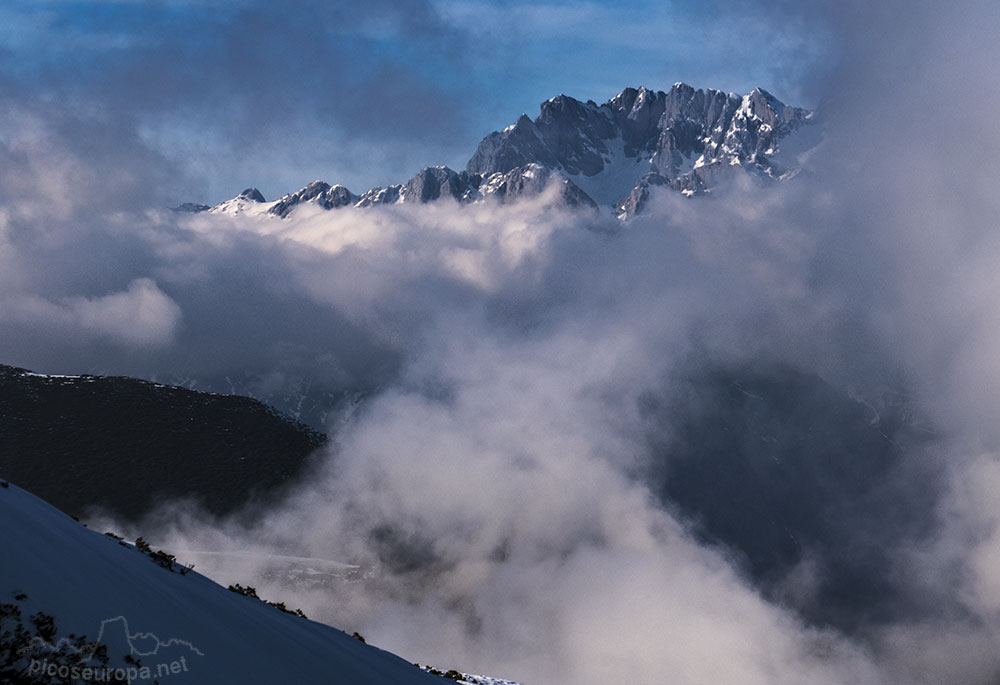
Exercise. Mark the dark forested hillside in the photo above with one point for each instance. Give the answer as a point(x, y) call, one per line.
point(125, 444)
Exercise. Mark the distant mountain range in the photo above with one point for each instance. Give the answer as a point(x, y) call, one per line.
point(611, 155)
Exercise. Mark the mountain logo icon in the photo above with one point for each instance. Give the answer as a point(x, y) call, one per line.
point(116, 634)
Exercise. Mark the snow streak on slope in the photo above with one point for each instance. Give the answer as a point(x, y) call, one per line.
point(620, 174)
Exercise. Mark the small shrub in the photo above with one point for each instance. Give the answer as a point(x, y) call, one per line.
point(245, 591)
point(450, 674)
point(163, 559)
point(252, 592)
point(36, 639)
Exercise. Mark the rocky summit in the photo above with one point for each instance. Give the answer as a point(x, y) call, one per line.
point(613, 155)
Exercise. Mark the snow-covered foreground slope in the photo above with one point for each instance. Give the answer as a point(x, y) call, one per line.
point(183, 627)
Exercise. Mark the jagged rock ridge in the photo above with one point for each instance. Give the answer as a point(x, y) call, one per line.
point(611, 154)
point(684, 139)
point(323, 194)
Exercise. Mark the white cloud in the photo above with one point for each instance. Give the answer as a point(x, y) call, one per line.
point(141, 316)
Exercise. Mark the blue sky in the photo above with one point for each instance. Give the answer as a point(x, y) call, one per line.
point(232, 93)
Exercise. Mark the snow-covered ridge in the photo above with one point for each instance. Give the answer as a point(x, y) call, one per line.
point(250, 201)
point(470, 678)
point(429, 185)
point(610, 155)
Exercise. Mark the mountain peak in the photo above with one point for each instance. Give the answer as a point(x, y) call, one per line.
point(252, 194)
point(318, 192)
point(689, 139)
point(762, 95)
point(625, 98)
point(250, 201)
point(615, 153)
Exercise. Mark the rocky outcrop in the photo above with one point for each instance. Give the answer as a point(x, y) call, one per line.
point(532, 180)
point(322, 194)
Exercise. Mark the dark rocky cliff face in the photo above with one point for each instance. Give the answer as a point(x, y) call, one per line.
point(679, 135)
point(531, 180)
point(434, 183)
